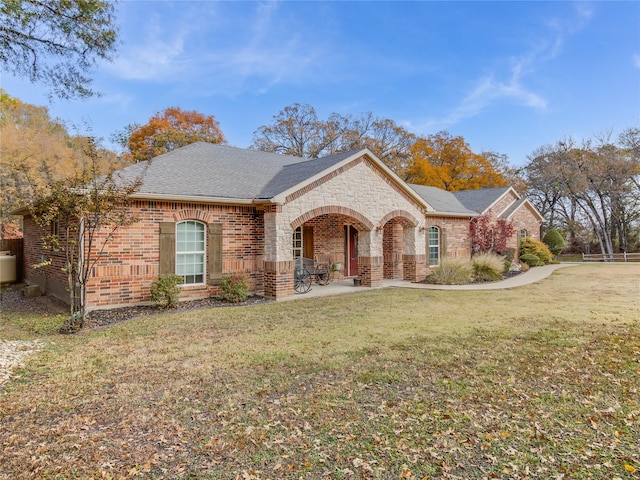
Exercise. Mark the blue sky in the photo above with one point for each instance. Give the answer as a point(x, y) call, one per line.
point(507, 76)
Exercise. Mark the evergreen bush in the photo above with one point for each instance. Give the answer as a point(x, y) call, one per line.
point(553, 239)
point(537, 248)
point(531, 259)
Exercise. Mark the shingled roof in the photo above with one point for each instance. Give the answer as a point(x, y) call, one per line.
point(442, 201)
point(210, 171)
point(480, 200)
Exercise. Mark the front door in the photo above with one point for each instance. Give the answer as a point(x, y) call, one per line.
point(307, 241)
point(351, 251)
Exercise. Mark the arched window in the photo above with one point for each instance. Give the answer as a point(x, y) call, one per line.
point(190, 251)
point(434, 246)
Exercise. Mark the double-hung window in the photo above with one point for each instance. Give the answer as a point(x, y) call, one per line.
point(190, 251)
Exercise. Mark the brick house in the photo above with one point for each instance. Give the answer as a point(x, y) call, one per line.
point(505, 203)
point(208, 210)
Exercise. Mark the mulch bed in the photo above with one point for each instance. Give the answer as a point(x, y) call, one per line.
point(13, 300)
point(103, 318)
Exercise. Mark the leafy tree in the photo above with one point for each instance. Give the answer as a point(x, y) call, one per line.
point(56, 42)
point(36, 151)
point(447, 162)
point(167, 130)
point(298, 131)
point(488, 235)
point(89, 208)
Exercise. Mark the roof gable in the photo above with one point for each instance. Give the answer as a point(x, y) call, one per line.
point(220, 173)
point(211, 171)
point(515, 206)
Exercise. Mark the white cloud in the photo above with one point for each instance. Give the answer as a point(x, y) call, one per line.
point(636, 60)
point(511, 86)
point(157, 56)
point(208, 48)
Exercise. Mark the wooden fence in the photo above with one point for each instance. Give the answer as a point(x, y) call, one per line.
point(616, 257)
point(16, 247)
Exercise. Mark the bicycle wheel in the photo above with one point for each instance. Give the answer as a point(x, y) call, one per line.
point(322, 272)
point(301, 281)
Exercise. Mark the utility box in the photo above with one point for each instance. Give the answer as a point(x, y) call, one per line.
point(7, 267)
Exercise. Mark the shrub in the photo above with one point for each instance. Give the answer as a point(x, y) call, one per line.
point(553, 239)
point(165, 291)
point(537, 248)
point(531, 260)
point(487, 267)
point(234, 288)
point(452, 272)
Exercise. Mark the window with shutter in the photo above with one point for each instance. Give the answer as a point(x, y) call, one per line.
point(184, 251)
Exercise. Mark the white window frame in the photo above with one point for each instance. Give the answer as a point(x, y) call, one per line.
point(434, 246)
point(195, 275)
point(523, 233)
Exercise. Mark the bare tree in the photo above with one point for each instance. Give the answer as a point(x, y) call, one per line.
point(595, 182)
point(298, 131)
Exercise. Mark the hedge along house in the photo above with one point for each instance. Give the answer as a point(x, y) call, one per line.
point(208, 210)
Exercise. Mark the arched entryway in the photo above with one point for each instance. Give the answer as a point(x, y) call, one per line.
point(333, 236)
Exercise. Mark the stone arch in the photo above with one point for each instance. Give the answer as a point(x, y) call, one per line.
point(362, 222)
point(404, 217)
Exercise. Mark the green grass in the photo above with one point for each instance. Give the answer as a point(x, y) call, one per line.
point(532, 382)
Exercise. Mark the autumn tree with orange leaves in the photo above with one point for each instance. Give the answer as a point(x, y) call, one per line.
point(443, 161)
point(167, 130)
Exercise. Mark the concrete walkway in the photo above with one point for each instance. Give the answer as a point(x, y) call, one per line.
point(532, 275)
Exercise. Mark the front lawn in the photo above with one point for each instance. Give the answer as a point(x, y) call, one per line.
point(541, 381)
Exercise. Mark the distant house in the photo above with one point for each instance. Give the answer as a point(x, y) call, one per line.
point(208, 210)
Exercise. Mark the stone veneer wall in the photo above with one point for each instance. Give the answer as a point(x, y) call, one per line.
point(358, 193)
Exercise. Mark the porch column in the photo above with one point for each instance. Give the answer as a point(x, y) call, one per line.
point(414, 257)
point(278, 255)
point(370, 257)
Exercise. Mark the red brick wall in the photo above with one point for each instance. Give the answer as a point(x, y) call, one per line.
point(51, 278)
point(392, 247)
point(503, 204)
point(525, 219)
point(129, 263)
point(456, 231)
